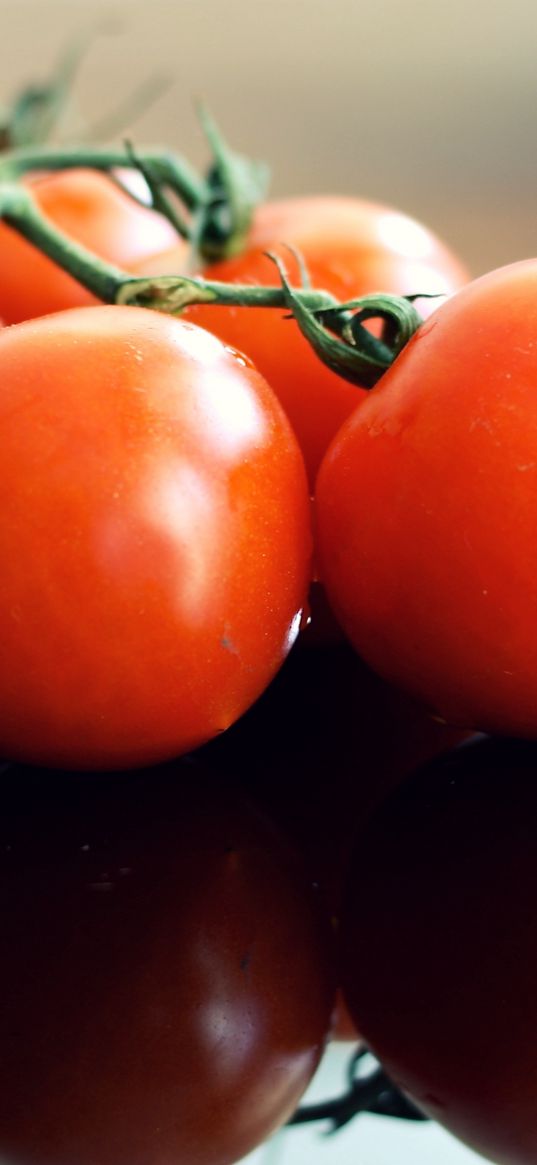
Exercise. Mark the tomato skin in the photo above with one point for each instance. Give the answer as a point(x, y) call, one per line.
point(439, 945)
point(351, 247)
point(427, 507)
point(155, 538)
point(166, 980)
point(90, 209)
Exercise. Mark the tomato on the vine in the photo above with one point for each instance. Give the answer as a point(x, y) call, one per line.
point(439, 944)
point(427, 510)
point(166, 982)
point(154, 537)
point(351, 247)
point(91, 209)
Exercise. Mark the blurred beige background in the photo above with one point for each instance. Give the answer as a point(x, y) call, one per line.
point(426, 104)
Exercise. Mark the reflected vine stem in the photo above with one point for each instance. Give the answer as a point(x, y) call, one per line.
point(371, 1093)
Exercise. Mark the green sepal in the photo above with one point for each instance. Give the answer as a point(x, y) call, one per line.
point(338, 336)
point(235, 187)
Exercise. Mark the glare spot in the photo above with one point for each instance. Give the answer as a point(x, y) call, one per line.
point(293, 631)
point(199, 345)
point(404, 236)
point(232, 1032)
point(235, 421)
point(184, 511)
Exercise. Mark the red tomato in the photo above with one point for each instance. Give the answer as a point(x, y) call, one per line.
point(91, 209)
point(154, 536)
point(351, 247)
point(427, 510)
point(439, 944)
point(166, 973)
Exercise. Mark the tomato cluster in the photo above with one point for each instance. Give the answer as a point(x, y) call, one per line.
point(222, 835)
point(351, 247)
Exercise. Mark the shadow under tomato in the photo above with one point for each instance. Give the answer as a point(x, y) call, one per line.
point(322, 747)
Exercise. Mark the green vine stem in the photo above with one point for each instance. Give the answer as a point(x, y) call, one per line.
point(334, 330)
point(163, 168)
point(19, 210)
point(220, 206)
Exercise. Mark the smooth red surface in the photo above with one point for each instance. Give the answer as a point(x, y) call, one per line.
point(154, 535)
point(351, 247)
point(439, 944)
point(166, 977)
point(89, 208)
point(427, 511)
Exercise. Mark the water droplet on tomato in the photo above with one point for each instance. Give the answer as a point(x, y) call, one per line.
point(240, 357)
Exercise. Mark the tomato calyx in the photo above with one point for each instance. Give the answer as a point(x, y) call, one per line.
point(236, 184)
point(369, 1091)
point(339, 337)
point(219, 208)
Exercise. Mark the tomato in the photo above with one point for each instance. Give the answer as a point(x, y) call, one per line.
point(351, 247)
point(90, 208)
point(439, 944)
point(166, 975)
point(427, 509)
point(154, 536)
point(324, 746)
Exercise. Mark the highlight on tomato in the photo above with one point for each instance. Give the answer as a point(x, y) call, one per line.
point(350, 247)
point(167, 970)
point(439, 945)
point(154, 535)
point(427, 510)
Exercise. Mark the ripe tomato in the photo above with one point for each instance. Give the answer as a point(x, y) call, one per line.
point(166, 974)
point(154, 536)
point(351, 247)
point(427, 510)
point(90, 208)
point(439, 944)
